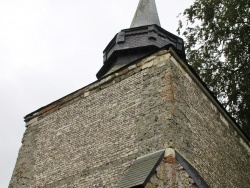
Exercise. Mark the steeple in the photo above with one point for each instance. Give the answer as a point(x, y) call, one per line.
point(144, 37)
point(146, 14)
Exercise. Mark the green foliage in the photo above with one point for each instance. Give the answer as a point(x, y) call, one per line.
point(217, 36)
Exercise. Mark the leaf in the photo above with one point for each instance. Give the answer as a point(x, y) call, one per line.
point(217, 38)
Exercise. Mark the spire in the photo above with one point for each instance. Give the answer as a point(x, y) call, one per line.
point(146, 14)
point(144, 37)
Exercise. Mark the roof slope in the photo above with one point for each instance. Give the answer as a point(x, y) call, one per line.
point(146, 14)
point(141, 171)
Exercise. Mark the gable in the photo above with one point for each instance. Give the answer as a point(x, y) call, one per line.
point(163, 170)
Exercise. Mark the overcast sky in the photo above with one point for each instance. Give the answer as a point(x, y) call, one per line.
point(50, 48)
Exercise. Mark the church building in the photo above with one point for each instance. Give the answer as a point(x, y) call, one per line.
point(147, 122)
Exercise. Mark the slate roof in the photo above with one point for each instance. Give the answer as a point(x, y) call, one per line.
point(144, 37)
point(141, 170)
point(146, 14)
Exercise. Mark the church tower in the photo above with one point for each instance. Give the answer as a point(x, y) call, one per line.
point(148, 121)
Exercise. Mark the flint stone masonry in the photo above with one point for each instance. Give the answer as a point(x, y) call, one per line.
point(92, 136)
point(178, 177)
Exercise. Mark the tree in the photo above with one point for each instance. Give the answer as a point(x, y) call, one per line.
point(217, 36)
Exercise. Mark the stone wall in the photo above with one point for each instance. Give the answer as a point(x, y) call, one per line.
point(87, 142)
point(179, 177)
point(90, 137)
point(215, 149)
